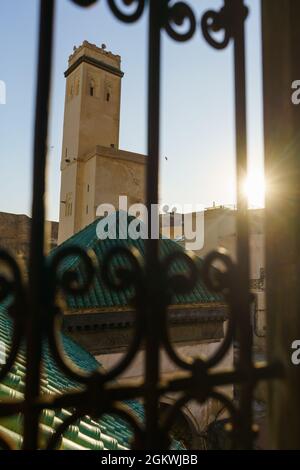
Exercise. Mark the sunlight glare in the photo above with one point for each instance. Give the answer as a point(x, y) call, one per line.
point(255, 189)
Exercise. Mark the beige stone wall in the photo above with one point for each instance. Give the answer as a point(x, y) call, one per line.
point(100, 178)
point(15, 234)
point(67, 196)
point(120, 173)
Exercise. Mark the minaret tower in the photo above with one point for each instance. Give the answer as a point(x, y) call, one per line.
point(94, 170)
point(92, 117)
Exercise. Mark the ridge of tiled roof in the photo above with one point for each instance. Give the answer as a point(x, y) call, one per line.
point(99, 295)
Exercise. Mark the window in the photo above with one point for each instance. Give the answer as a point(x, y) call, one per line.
point(88, 188)
point(107, 97)
point(68, 205)
point(87, 209)
point(92, 87)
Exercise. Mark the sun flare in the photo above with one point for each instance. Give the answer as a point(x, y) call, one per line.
point(255, 189)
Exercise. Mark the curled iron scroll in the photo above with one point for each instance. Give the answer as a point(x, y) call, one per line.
point(177, 15)
point(127, 16)
point(223, 20)
point(12, 294)
point(67, 278)
point(178, 283)
point(222, 282)
point(121, 277)
point(219, 281)
point(84, 3)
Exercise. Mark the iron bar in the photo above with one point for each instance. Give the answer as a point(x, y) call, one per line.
point(243, 292)
point(152, 310)
point(37, 279)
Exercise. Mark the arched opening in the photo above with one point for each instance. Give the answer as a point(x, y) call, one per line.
point(183, 430)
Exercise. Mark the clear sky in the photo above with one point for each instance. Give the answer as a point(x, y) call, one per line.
point(197, 102)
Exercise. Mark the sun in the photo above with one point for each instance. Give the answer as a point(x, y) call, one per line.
point(255, 189)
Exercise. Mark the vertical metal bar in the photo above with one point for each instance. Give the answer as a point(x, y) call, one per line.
point(36, 262)
point(152, 309)
point(281, 66)
point(244, 322)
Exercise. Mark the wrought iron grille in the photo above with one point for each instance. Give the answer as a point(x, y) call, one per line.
point(33, 304)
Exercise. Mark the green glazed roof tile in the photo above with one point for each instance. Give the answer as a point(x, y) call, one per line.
point(99, 296)
point(108, 433)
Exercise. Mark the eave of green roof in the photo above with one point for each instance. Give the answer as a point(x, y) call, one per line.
point(99, 295)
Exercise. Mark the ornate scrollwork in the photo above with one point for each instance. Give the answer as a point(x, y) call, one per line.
point(10, 285)
point(131, 16)
point(223, 20)
point(172, 413)
point(232, 426)
point(176, 16)
point(217, 280)
point(181, 282)
point(84, 3)
point(67, 277)
point(12, 293)
point(71, 280)
point(222, 281)
point(128, 274)
point(178, 283)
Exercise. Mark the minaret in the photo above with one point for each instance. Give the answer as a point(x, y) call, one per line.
point(94, 170)
point(91, 118)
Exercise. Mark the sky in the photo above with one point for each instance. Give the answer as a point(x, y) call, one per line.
point(197, 108)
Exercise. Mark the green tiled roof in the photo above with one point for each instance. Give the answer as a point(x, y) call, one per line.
point(108, 433)
point(99, 296)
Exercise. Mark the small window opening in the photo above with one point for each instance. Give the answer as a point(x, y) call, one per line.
point(91, 91)
point(107, 97)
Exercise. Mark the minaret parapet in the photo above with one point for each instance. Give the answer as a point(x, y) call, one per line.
point(96, 52)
